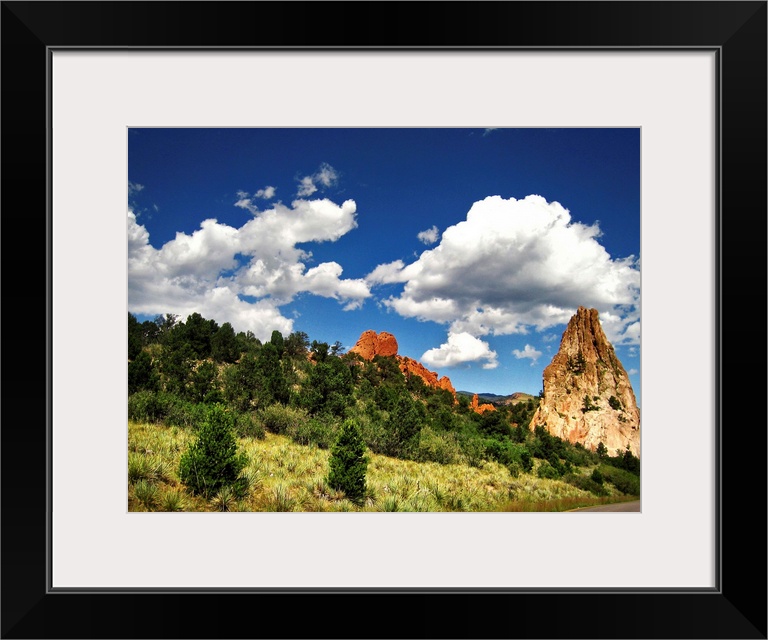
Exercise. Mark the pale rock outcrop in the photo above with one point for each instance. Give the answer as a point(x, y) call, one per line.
point(588, 397)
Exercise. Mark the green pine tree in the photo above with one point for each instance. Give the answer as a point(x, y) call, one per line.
point(348, 463)
point(212, 461)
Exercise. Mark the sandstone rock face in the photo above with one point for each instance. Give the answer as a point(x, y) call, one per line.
point(409, 367)
point(588, 397)
point(445, 383)
point(373, 344)
point(480, 408)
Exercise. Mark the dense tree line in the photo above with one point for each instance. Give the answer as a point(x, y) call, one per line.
point(178, 370)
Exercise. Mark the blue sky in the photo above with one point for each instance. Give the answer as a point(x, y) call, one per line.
point(472, 246)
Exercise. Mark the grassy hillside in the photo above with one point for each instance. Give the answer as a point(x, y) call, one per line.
point(220, 420)
point(286, 476)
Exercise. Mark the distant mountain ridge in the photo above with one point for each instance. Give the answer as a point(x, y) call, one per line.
point(495, 398)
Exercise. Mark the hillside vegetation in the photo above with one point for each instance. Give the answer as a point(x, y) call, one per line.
point(220, 421)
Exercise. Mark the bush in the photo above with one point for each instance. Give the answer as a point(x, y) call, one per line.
point(348, 463)
point(514, 469)
point(630, 462)
point(241, 383)
point(319, 430)
point(281, 420)
point(248, 425)
point(512, 455)
point(402, 428)
point(328, 387)
point(370, 422)
point(142, 374)
point(147, 406)
point(180, 413)
point(577, 455)
point(624, 460)
point(474, 451)
point(494, 424)
point(212, 461)
point(545, 444)
point(586, 484)
point(577, 365)
point(441, 417)
point(161, 406)
point(558, 466)
point(546, 470)
point(438, 447)
point(623, 480)
point(520, 434)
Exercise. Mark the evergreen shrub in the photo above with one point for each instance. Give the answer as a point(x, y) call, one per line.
point(348, 463)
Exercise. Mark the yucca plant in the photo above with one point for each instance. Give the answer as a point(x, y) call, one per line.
point(172, 500)
point(390, 503)
point(281, 499)
point(139, 467)
point(245, 483)
point(146, 493)
point(225, 499)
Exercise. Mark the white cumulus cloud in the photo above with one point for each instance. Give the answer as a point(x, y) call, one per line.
point(245, 200)
point(209, 270)
point(429, 236)
point(387, 273)
point(134, 187)
point(461, 348)
point(513, 266)
point(266, 193)
point(325, 176)
point(528, 352)
point(306, 187)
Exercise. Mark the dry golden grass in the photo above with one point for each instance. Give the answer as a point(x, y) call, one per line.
point(565, 504)
point(285, 476)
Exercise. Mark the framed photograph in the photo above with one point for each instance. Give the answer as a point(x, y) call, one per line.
point(483, 368)
point(107, 103)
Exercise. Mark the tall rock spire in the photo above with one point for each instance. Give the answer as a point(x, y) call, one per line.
point(588, 397)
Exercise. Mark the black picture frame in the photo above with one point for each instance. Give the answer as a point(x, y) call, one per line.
point(736, 608)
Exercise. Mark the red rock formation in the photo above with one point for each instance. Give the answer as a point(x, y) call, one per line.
point(588, 397)
point(409, 366)
point(445, 383)
point(372, 344)
point(480, 408)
